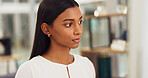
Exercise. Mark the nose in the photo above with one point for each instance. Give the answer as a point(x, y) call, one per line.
point(78, 29)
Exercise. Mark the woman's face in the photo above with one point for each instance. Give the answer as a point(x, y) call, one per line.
point(67, 28)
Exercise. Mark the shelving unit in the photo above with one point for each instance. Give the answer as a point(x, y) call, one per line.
point(108, 16)
point(93, 53)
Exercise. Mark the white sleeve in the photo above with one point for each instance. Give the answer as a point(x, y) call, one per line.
point(91, 68)
point(24, 71)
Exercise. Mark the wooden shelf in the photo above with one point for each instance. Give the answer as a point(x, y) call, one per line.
point(99, 50)
point(104, 15)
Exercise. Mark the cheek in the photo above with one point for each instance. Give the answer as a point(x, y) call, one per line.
point(82, 29)
point(63, 35)
point(65, 38)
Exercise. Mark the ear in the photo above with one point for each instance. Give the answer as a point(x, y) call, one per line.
point(45, 28)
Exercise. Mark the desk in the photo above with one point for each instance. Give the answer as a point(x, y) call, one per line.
point(8, 58)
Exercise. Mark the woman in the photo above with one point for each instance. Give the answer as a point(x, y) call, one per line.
point(58, 29)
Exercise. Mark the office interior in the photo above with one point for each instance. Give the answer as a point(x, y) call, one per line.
point(114, 36)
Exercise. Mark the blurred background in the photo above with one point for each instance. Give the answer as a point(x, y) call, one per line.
point(114, 36)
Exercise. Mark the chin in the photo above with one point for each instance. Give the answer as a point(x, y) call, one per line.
point(75, 46)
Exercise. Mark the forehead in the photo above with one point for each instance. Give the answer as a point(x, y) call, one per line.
point(72, 13)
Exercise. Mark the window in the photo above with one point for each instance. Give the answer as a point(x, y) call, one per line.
point(22, 38)
point(25, 38)
point(7, 0)
point(8, 25)
point(37, 1)
point(23, 1)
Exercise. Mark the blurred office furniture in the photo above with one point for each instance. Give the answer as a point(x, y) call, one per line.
point(108, 17)
point(105, 66)
point(8, 64)
point(95, 55)
point(7, 46)
point(12, 75)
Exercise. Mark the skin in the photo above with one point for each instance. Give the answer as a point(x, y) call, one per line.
point(65, 29)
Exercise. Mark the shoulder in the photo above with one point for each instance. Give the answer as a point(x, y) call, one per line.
point(24, 66)
point(24, 71)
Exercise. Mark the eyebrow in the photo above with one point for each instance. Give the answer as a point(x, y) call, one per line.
point(72, 19)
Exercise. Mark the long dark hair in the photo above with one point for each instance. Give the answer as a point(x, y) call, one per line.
point(48, 11)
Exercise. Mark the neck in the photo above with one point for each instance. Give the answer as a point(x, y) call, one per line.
point(59, 54)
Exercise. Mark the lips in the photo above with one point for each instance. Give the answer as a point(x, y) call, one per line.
point(76, 40)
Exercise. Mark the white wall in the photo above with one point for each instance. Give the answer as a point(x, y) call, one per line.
point(138, 38)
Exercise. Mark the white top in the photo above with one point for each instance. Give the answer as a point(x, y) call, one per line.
point(39, 67)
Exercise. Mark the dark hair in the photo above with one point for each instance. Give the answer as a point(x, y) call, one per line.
point(48, 11)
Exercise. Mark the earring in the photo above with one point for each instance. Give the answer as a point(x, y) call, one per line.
point(48, 35)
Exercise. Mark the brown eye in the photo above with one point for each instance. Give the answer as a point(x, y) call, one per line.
point(80, 22)
point(68, 25)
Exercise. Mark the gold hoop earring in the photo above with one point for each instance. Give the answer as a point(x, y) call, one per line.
point(48, 35)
